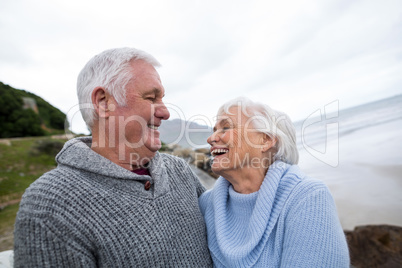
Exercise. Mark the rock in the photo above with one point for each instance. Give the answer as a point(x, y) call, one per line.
point(375, 246)
point(201, 158)
point(7, 259)
point(5, 142)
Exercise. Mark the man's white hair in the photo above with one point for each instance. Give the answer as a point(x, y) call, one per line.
point(273, 123)
point(111, 70)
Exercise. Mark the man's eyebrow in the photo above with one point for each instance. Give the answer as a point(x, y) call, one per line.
point(156, 91)
point(159, 91)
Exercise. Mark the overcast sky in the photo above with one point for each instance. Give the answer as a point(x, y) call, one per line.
point(297, 56)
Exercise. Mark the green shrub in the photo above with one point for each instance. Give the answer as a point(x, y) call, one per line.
point(15, 121)
point(49, 147)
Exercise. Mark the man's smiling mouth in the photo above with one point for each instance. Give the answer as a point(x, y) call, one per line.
point(153, 127)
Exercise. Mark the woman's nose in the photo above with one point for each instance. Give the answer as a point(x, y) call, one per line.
point(213, 138)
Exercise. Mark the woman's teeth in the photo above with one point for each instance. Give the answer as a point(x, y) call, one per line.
point(216, 152)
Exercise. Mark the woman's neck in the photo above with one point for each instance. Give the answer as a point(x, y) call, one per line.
point(246, 180)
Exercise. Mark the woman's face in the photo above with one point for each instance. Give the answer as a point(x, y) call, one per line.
point(235, 143)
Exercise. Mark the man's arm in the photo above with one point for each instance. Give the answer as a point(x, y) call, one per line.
point(200, 188)
point(37, 245)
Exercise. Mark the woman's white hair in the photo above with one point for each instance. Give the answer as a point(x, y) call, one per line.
point(274, 123)
point(111, 70)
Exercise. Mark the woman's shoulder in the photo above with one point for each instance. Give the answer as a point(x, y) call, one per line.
point(304, 185)
point(311, 184)
point(305, 182)
point(215, 194)
point(310, 192)
point(204, 201)
point(207, 195)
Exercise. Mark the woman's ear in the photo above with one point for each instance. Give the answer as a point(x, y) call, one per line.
point(267, 143)
point(100, 101)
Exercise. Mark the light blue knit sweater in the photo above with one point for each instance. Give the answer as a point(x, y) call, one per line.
point(290, 222)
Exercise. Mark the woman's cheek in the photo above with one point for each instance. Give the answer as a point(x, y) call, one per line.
point(226, 138)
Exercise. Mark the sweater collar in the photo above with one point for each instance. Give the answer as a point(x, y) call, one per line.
point(77, 154)
point(278, 183)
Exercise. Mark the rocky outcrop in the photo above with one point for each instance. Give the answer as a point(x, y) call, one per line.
point(375, 246)
point(201, 158)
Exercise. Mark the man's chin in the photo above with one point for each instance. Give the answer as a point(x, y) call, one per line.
point(154, 146)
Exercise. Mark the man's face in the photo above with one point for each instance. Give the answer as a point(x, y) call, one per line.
point(138, 121)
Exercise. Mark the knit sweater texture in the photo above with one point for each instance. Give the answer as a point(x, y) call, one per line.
point(90, 212)
point(290, 222)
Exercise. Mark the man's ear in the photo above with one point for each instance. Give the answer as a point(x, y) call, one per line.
point(268, 143)
point(100, 100)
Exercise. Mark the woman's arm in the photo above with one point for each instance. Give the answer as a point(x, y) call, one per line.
point(313, 236)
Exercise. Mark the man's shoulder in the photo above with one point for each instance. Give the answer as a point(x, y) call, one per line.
point(52, 184)
point(172, 159)
point(177, 168)
point(176, 164)
point(58, 172)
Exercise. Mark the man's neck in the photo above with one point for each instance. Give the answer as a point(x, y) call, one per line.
point(121, 154)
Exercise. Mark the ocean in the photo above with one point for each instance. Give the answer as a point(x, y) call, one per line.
point(357, 153)
point(315, 128)
point(329, 125)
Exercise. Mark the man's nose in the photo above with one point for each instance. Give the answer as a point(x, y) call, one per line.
point(161, 111)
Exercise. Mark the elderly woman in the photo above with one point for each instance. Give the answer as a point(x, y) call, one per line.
point(263, 211)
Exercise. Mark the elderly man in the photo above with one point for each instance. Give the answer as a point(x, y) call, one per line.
point(113, 200)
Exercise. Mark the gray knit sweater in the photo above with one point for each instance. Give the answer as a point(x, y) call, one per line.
point(90, 212)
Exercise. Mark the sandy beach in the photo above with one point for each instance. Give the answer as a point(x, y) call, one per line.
point(367, 181)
